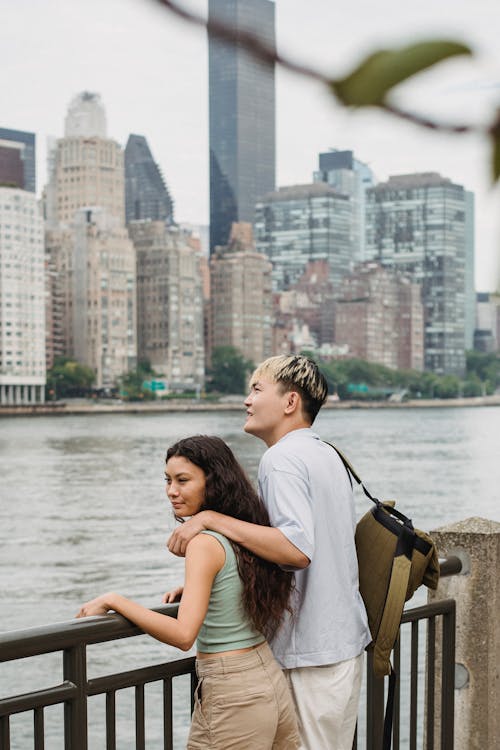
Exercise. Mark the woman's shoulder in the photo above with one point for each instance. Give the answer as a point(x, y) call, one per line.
point(222, 540)
point(209, 542)
point(205, 553)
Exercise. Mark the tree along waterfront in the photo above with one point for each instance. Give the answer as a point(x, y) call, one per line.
point(348, 378)
point(79, 495)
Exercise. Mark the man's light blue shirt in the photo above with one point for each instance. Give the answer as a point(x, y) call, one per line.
point(307, 492)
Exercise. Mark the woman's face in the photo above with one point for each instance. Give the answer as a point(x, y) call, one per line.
point(185, 486)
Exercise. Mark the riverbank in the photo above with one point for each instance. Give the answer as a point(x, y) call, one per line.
point(79, 406)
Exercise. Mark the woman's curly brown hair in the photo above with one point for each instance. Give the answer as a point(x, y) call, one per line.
point(266, 587)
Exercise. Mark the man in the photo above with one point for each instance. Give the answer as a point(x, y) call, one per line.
point(308, 494)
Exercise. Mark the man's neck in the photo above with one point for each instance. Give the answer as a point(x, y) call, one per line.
point(285, 429)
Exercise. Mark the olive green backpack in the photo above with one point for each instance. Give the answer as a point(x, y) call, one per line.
point(394, 559)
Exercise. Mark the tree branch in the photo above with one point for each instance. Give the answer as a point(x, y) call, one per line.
point(255, 45)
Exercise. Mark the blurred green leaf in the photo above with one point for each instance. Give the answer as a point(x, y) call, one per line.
point(370, 82)
point(495, 136)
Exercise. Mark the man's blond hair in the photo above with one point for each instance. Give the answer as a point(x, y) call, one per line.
point(299, 373)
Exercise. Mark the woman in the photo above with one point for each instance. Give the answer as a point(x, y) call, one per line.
point(231, 602)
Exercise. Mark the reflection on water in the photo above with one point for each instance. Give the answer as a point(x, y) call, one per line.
point(83, 508)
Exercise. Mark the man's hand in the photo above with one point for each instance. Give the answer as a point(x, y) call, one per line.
point(173, 596)
point(183, 534)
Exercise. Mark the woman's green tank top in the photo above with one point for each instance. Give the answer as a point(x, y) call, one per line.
point(226, 625)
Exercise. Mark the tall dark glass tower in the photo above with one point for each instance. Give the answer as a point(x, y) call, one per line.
point(146, 194)
point(242, 118)
point(28, 154)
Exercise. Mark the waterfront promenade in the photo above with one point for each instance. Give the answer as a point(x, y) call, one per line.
point(83, 511)
point(234, 403)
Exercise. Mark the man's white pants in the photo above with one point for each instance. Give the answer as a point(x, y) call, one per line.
point(326, 700)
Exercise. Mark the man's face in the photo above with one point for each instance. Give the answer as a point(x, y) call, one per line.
point(265, 405)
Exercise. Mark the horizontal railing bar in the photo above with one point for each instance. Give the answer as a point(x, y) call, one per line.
point(20, 644)
point(432, 609)
point(38, 699)
point(450, 566)
point(141, 676)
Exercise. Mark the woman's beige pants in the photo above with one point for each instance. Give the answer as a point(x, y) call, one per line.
point(242, 702)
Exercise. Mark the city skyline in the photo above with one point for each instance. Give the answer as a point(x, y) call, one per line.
point(172, 57)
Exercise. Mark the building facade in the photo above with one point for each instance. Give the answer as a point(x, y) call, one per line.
point(303, 223)
point(27, 143)
point(241, 299)
point(351, 177)
point(104, 296)
point(241, 118)
point(303, 315)
point(169, 303)
point(470, 265)
point(59, 256)
point(487, 323)
point(88, 171)
point(379, 318)
point(417, 224)
point(91, 275)
point(22, 299)
point(146, 194)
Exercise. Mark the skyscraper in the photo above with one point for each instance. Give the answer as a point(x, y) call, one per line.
point(352, 177)
point(27, 141)
point(86, 166)
point(242, 118)
point(146, 195)
point(90, 258)
point(417, 224)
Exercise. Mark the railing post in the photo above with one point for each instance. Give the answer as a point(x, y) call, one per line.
point(476, 542)
point(4, 733)
point(75, 711)
point(448, 681)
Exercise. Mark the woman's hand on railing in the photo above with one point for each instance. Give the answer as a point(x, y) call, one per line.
point(173, 596)
point(98, 606)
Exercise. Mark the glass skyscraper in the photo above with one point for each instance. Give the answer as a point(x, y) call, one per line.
point(146, 195)
point(242, 118)
point(417, 224)
point(351, 177)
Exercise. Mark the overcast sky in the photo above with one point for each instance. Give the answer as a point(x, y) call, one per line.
point(151, 71)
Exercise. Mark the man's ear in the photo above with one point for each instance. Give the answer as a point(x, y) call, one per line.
point(292, 402)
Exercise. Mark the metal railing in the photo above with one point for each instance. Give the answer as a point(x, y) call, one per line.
point(435, 681)
point(72, 639)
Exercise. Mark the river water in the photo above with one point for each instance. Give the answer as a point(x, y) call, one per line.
point(83, 510)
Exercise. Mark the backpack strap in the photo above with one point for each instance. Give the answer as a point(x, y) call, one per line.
point(389, 711)
point(352, 473)
point(389, 626)
point(391, 617)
